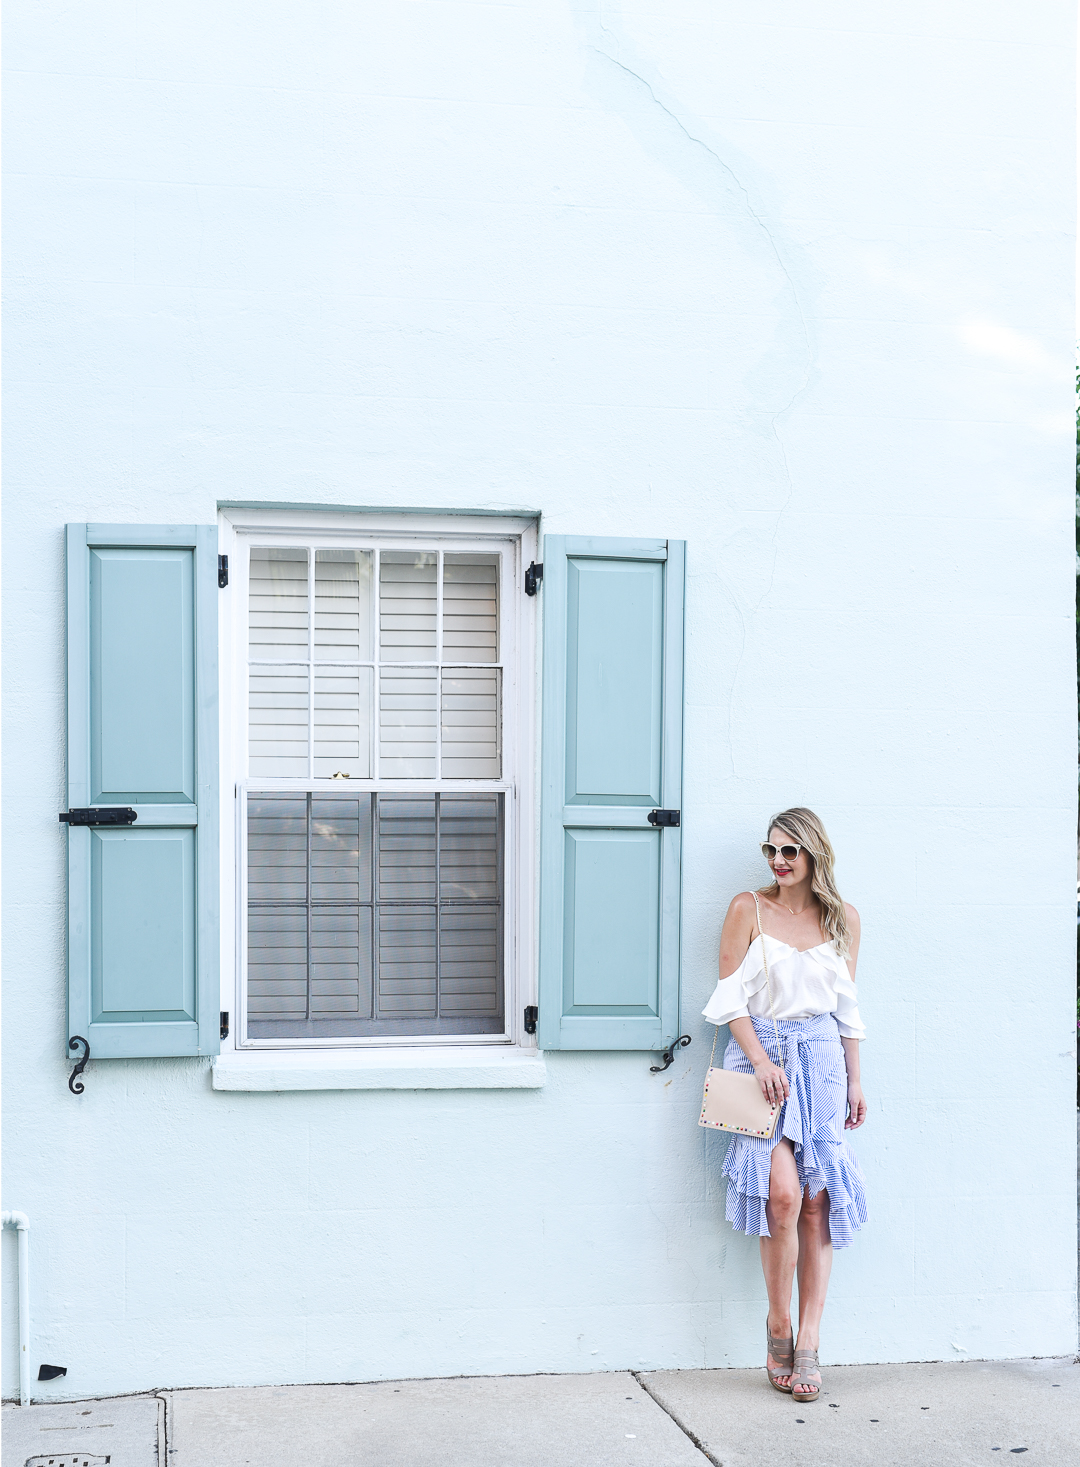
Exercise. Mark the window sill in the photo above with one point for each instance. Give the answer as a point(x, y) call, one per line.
point(385, 1069)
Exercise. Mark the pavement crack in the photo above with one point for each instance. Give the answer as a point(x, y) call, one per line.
point(702, 1448)
point(163, 1428)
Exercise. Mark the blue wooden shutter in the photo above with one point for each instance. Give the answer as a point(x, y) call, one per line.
point(611, 753)
point(142, 732)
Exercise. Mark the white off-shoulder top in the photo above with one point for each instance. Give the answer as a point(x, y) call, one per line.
point(814, 981)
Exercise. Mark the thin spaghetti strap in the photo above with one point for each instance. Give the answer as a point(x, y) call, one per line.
point(768, 984)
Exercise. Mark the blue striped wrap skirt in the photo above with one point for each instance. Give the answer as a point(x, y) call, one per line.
point(812, 1119)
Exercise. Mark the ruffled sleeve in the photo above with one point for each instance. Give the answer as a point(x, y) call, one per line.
point(847, 1005)
point(732, 994)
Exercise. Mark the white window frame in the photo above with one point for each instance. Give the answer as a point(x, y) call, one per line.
point(517, 538)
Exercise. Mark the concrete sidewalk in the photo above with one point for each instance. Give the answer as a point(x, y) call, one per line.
point(949, 1415)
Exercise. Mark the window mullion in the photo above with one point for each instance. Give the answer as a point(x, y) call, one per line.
point(438, 908)
point(376, 675)
point(311, 662)
point(307, 997)
point(440, 561)
point(376, 905)
point(373, 800)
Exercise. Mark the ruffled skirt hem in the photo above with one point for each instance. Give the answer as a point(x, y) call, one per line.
point(748, 1191)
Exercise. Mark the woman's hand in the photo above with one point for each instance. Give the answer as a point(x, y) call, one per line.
point(856, 1104)
point(773, 1082)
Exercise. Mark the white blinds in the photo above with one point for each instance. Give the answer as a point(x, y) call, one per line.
point(343, 580)
point(408, 606)
point(470, 609)
point(470, 723)
point(374, 915)
point(327, 696)
point(278, 603)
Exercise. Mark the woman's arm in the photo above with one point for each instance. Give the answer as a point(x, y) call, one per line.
point(856, 1101)
point(855, 929)
point(770, 1077)
point(740, 929)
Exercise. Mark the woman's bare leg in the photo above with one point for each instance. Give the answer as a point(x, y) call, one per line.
point(815, 1265)
point(780, 1253)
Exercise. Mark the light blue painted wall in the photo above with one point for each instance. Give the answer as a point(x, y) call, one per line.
point(793, 283)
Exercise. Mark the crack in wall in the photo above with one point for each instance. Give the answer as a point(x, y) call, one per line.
point(603, 44)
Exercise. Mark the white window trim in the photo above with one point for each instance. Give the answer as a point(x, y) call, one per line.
point(509, 1059)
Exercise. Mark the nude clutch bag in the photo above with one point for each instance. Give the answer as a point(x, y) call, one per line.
point(733, 1101)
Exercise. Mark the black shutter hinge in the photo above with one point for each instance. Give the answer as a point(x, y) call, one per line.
point(102, 815)
point(665, 817)
point(224, 1023)
point(668, 1055)
point(223, 571)
point(532, 1013)
point(533, 576)
point(75, 1085)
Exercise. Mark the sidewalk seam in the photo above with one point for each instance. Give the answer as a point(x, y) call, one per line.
point(702, 1448)
point(163, 1428)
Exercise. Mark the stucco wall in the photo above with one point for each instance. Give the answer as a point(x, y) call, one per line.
point(793, 282)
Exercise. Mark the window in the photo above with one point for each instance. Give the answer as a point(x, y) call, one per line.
point(376, 737)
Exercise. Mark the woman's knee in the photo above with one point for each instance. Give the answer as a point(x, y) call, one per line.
point(784, 1199)
point(816, 1207)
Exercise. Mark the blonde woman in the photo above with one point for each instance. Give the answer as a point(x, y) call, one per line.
point(801, 1191)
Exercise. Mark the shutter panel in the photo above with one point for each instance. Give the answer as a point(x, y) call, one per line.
point(611, 753)
point(143, 732)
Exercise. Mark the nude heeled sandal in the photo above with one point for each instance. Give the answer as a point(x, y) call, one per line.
point(806, 1364)
point(782, 1349)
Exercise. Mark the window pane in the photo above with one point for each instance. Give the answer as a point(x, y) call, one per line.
point(340, 962)
point(471, 723)
point(407, 585)
point(278, 722)
point(277, 848)
point(469, 945)
point(421, 953)
point(469, 848)
point(406, 848)
point(343, 722)
point(277, 966)
point(340, 848)
point(343, 595)
point(407, 723)
point(407, 963)
point(470, 608)
point(278, 603)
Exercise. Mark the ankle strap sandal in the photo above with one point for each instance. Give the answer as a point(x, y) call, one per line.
point(806, 1365)
point(782, 1350)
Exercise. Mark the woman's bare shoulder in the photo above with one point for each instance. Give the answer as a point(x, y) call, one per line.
point(855, 930)
point(741, 910)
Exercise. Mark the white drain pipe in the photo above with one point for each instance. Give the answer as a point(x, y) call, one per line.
point(22, 1222)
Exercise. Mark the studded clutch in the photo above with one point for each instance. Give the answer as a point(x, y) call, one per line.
point(734, 1102)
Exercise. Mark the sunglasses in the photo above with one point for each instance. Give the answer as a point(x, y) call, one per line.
point(770, 852)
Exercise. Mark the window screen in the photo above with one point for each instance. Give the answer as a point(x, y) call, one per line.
point(374, 913)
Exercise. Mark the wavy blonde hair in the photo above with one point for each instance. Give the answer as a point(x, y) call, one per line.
point(806, 830)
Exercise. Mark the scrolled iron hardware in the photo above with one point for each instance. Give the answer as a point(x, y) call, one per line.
point(668, 1055)
point(76, 1086)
